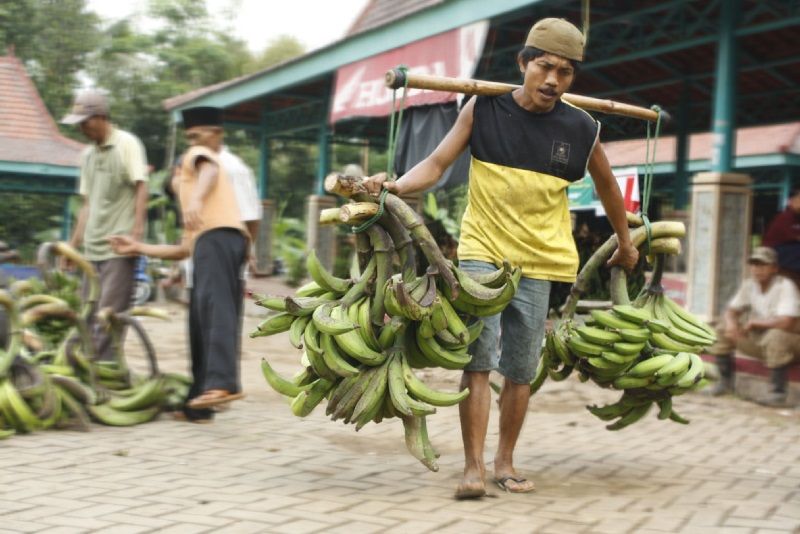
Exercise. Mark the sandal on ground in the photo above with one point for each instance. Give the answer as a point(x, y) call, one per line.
point(521, 484)
point(180, 416)
point(213, 397)
point(465, 492)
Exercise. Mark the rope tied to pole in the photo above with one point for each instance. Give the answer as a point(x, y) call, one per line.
point(395, 120)
point(649, 162)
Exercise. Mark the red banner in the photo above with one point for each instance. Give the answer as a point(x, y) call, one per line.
point(360, 89)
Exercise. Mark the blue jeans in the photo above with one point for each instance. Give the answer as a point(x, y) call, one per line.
point(511, 341)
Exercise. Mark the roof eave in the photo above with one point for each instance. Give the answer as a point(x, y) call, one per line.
point(424, 23)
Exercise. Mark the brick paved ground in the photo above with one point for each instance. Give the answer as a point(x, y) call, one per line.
point(735, 469)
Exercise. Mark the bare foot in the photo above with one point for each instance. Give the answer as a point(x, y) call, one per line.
point(470, 488)
point(472, 484)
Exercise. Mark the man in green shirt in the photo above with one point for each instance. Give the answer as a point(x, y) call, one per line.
point(113, 184)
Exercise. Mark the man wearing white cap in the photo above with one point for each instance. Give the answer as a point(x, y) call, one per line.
point(761, 321)
point(113, 184)
point(527, 146)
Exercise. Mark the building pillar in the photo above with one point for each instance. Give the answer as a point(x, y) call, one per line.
point(324, 158)
point(681, 188)
point(263, 165)
point(264, 260)
point(66, 220)
point(718, 241)
point(321, 238)
point(724, 118)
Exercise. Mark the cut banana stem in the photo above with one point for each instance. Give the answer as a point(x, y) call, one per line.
point(357, 212)
point(330, 216)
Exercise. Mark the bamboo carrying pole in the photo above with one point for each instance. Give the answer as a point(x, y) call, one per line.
point(396, 79)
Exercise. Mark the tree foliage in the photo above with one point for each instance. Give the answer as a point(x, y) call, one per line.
point(278, 50)
point(65, 47)
point(53, 38)
point(28, 219)
point(141, 70)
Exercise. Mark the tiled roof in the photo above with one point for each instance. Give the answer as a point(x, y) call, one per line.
point(28, 134)
point(751, 141)
point(379, 13)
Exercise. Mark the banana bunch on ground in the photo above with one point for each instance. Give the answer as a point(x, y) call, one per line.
point(61, 290)
point(648, 349)
point(49, 381)
point(362, 336)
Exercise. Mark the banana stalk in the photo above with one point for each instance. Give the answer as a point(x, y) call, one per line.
point(383, 247)
point(352, 187)
point(604, 252)
point(363, 251)
point(90, 274)
point(403, 244)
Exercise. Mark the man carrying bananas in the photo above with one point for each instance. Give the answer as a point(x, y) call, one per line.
point(760, 321)
point(527, 146)
point(217, 241)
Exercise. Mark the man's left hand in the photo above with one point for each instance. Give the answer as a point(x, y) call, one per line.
point(625, 256)
point(124, 245)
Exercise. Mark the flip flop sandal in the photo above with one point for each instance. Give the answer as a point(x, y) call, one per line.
point(502, 483)
point(213, 397)
point(180, 416)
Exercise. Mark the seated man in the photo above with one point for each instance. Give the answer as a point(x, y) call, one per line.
point(760, 321)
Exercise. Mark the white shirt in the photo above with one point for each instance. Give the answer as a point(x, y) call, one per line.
point(781, 299)
point(244, 185)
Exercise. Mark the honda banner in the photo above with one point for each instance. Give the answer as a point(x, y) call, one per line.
point(582, 195)
point(360, 89)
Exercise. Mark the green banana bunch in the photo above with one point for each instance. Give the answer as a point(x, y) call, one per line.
point(479, 300)
point(62, 384)
point(633, 349)
point(362, 337)
point(323, 277)
point(685, 332)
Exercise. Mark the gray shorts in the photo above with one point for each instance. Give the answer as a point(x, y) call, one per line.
point(514, 353)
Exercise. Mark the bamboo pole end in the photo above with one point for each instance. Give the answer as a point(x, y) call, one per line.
point(395, 78)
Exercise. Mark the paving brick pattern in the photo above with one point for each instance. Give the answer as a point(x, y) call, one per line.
point(734, 469)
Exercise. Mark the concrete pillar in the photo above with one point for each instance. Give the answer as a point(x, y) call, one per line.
point(66, 220)
point(321, 238)
point(264, 260)
point(719, 241)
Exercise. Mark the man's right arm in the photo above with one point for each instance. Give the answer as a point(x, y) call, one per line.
point(733, 328)
point(207, 175)
point(80, 225)
point(427, 172)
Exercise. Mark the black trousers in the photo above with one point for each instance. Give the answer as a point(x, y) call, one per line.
point(215, 312)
